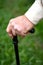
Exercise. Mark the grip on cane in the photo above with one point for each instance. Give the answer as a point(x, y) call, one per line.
point(15, 40)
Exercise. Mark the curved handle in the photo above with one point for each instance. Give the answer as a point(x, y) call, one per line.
point(15, 42)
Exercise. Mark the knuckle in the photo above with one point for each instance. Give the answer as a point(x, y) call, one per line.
point(7, 30)
point(11, 20)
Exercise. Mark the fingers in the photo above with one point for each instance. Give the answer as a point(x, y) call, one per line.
point(9, 31)
point(12, 31)
point(19, 26)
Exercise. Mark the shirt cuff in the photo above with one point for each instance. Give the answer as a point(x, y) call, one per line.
point(35, 13)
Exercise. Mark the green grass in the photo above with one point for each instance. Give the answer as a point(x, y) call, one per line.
point(31, 47)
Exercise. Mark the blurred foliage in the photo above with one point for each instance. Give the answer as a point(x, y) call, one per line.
point(30, 47)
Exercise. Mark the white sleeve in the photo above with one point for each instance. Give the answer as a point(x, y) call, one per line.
point(35, 13)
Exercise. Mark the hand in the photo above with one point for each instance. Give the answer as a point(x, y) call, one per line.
point(19, 25)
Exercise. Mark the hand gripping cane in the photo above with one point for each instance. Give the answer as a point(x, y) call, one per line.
point(15, 42)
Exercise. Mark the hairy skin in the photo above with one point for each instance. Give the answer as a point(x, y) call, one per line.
point(19, 25)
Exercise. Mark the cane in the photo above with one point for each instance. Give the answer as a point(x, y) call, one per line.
point(15, 42)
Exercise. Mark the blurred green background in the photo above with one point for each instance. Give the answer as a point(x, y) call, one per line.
point(30, 47)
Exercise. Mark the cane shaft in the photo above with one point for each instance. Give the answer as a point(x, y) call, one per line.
point(15, 42)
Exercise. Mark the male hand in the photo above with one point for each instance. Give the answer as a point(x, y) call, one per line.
point(19, 25)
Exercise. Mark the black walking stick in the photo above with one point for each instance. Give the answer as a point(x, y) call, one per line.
point(15, 42)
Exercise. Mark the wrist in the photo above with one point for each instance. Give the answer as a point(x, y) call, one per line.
point(28, 19)
point(29, 24)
